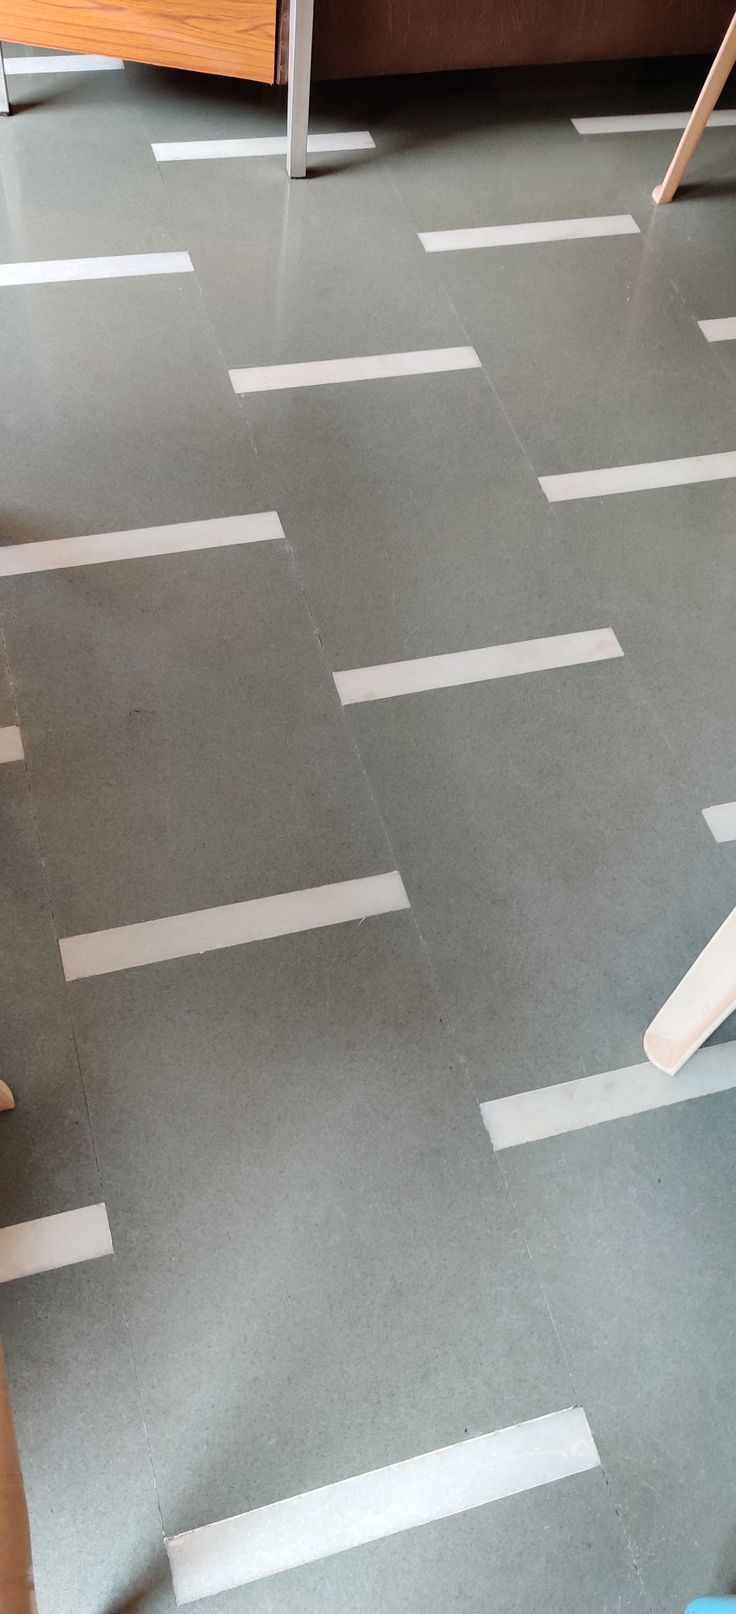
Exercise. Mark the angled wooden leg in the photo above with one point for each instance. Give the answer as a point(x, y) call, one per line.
point(704, 997)
point(16, 1569)
point(301, 17)
point(4, 97)
point(700, 114)
point(7, 1102)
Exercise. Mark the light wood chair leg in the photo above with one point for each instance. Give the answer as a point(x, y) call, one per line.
point(699, 117)
point(16, 1568)
point(703, 999)
point(7, 1102)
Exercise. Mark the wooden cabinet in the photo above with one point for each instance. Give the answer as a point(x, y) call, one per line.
point(356, 38)
point(235, 37)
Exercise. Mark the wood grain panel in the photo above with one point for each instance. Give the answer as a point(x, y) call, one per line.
point(353, 38)
point(235, 37)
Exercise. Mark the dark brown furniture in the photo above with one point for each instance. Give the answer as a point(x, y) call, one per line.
point(356, 38)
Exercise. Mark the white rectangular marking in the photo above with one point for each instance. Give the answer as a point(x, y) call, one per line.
point(366, 367)
point(369, 1507)
point(209, 929)
point(718, 330)
point(646, 122)
point(11, 745)
point(475, 666)
point(54, 1241)
point(61, 64)
point(52, 554)
point(187, 151)
point(49, 270)
point(721, 821)
point(638, 478)
point(609, 1096)
point(515, 235)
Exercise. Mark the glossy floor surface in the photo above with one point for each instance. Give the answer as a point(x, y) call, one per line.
point(389, 805)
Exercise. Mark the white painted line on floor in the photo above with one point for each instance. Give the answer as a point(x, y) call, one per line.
point(721, 821)
point(54, 1241)
point(52, 554)
point(475, 666)
point(187, 151)
point(209, 929)
point(515, 235)
point(370, 1507)
point(11, 745)
point(718, 330)
point(638, 478)
point(589, 1100)
point(49, 270)
point(367, 367)
point(61, 64)
point(646, 122)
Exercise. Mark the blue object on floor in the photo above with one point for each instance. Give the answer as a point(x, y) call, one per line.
point(712, 1605)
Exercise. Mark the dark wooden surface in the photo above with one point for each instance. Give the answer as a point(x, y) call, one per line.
point(364, 37)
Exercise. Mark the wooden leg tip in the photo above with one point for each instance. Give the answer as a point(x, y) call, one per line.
point(7, 1102)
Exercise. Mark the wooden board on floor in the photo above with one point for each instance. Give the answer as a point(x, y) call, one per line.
point(234, 37)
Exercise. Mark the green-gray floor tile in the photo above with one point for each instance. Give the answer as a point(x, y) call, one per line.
point(184, 740)
point(629, 1225)
point(321, 1270)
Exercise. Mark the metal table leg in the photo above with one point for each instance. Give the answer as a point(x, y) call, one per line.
point(301, 16)
point(4, 102)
